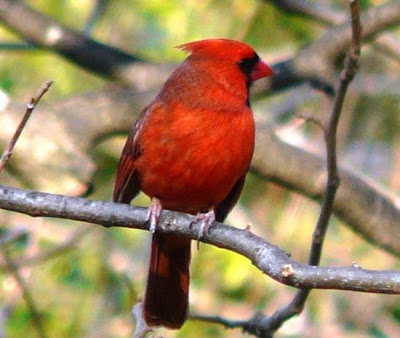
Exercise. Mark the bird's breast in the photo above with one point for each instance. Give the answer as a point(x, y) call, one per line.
point(191, 160)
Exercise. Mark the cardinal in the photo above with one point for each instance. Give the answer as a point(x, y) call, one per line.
point(189, 151)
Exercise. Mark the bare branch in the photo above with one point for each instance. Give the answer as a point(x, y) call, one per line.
point(267, 257)
point(29, 110)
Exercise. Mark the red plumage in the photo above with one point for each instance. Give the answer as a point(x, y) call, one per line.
point(190, 151)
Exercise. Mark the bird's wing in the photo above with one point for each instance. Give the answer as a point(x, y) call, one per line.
point(126, 185)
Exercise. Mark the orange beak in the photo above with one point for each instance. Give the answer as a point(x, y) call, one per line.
point(260, 70)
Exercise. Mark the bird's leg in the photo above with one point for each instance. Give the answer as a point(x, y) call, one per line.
point(206, 219)
point(154, 213)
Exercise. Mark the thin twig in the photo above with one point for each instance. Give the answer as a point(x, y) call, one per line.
point(347, 75)
point(29, 110)
point(13, 270)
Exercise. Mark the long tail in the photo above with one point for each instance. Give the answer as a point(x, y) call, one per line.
point(167, 292)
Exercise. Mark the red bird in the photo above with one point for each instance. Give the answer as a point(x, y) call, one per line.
point(189, 151)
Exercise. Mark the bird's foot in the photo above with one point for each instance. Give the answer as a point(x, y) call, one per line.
point(154, 213)
point(206, 219)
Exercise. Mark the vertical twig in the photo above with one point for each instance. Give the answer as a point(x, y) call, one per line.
point(29, 110)
point(347, 75)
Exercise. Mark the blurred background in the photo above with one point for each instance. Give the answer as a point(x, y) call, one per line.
point(82, 280)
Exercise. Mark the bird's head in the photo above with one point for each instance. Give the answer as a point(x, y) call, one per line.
point(227, 56)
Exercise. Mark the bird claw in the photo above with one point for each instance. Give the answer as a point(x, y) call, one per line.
point(154, 213)
point(206, 219)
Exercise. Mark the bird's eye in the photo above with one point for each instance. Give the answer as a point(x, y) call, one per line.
point(247, 64)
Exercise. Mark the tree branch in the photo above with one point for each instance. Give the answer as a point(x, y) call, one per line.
point(267, 257)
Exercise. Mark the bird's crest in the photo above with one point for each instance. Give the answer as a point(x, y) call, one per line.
point(224, 48)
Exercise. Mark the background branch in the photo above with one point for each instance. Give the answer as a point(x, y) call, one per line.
point(313, 63)
point(46, 32)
